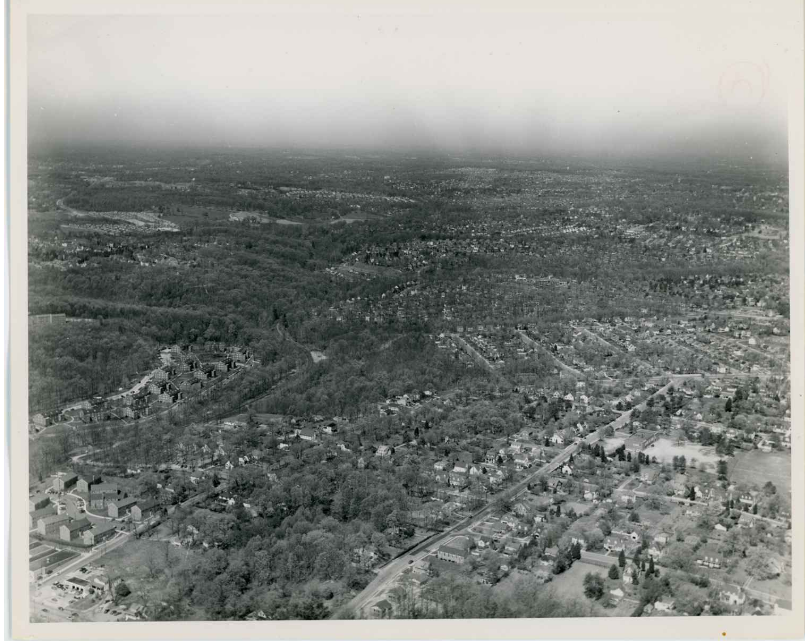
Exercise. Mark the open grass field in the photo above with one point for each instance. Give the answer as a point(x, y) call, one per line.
point(665, 450)
point(568, 586)
point(756, 467)
point(145, 566)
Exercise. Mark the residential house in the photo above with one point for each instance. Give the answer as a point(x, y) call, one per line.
point(49, 525)
point(382, 609)
point(85, 482)
point(733, 597)
point(64, 482)
point(144, 510)
point(42, 512)
point(37, 502)
point(708, 557)
point(121, 507)
point(664, 606)
point(307, 434)
point(551, 553)
point(590, 491)
point(103, 493)
point(73, 529)
point(99, 533)
point(41, 421)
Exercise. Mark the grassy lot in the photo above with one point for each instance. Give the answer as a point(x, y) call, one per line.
point(578, 507)
point(569, 586)
point(145, 566)
point(666, 450)
point(756, 467)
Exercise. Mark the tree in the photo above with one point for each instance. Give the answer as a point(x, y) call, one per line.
point(122, 590)
point(722, 468)
point(622, 558)
point(651, 565)
point(634, 517)
point(613, 572)
point(728, 405)
point(758, 564)
point(560, 565)
point(593, 586)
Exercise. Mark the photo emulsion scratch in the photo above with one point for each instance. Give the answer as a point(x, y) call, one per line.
point(408, 315)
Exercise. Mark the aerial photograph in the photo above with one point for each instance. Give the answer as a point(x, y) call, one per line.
point(390, 316)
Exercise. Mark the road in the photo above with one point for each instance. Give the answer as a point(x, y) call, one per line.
point(614, 348)
point(97, 552)
point(389, 573)
point(134, 389)
point(473, 353)
point(532, 343)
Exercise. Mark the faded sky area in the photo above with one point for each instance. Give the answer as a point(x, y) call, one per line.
point(549, 81)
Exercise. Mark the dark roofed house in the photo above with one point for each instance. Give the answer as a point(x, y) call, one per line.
point(49, 525)
point(144, 510)
point(102, 493)
point(99, 533)
point(121, 507)
point(38, 501)
point(382, 609)
point(85, 482)
point(64, 482)
point(73, 529)
point(33, 517)
point(41, 421)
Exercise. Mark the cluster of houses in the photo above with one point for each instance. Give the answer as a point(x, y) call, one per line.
point(68, 522)
point(412, 400)
point(184, 373)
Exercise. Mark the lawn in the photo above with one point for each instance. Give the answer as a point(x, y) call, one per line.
point(570, 586)
point(144, 565)
point(756, 467)
point(698, 455)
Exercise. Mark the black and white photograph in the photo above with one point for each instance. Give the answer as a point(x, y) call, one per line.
point(354, 315)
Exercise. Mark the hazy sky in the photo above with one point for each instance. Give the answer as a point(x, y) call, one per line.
point(578, 82)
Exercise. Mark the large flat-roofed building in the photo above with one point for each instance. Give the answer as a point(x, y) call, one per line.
point(456, 551)
point(78, 584)
point(38, 568)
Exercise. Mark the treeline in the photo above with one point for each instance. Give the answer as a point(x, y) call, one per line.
point(79, 360)
point(368, 367)
point(454, 597)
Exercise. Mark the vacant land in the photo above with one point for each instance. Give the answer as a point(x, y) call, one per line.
point(757, 467)
point(568, 586)
point(146, 566)
point(666, 450)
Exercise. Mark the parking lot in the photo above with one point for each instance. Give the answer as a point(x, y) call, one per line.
point(70, 596)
